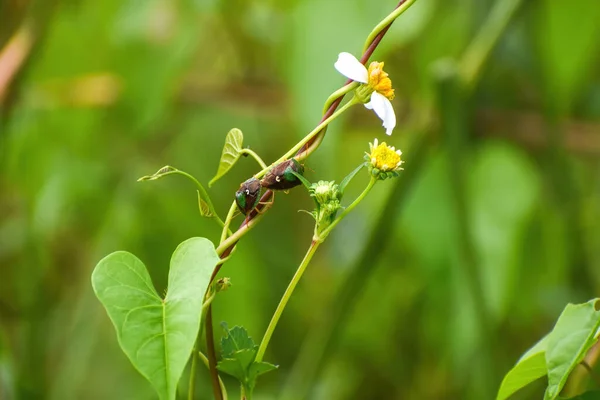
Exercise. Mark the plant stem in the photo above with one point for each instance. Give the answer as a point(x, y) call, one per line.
point(347, 88)
point(311, 134)
point(231, 240)
point(578, 379)
point(192, 382)
point(348, 209)
point(228, 220)
point(205, 361)
point(212, 357)
point(314, 245)
point(245, 394)
point(386, 22)
point(202, 191)
point(320, 340)
point(305, 153)
point(255, 156)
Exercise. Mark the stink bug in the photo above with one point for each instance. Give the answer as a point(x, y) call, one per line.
point(248, 195)
point(281, 176)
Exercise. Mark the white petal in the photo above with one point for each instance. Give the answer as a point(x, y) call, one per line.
point(350, 67)
point(368, 106)
point(384, 110)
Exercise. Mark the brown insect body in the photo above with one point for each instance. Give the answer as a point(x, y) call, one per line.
point(248, 195)
point(280, 177)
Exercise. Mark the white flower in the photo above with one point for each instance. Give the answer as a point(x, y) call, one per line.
point(376, 89)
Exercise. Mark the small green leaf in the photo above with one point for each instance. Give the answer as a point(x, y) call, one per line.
point(572, 337)
point(235, 339)
point(203, 206)
point(302, 179)
point(233, 367)
point(239, 352)
point(260, 368)
point(157, 335)
point(231, 153)
point(530, 367)
point(238, 364)
point(164, 171)
point(348, 178)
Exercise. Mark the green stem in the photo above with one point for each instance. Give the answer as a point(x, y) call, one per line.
point(344, 90)
point(228, 220)
point(286, 297)
point(385, 22)
point(202, 191)
point(320, 340)
point(311, 134)
point(205, 361)
point(348, 209)
point(255, 156)
point(192, 382)
point(232, 239)
point(245, 393)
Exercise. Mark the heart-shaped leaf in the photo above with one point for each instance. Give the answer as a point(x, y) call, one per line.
point(157, 335)
point(231, 153)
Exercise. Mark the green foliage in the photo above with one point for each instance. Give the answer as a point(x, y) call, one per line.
point(558, 353)
point(573, 335)
point(231, 153)
point(203, 206)
point(161, 173)
point(348, 179)
point(239, 353)
point(156, 334)
point(529, 368)
point(154, 82)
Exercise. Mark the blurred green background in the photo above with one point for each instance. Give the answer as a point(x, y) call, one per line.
point(430, 290)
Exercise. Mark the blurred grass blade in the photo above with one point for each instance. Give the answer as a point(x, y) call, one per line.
point(157, 335)
point(231, 153)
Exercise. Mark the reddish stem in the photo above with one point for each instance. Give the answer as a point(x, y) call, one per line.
point(211, 353)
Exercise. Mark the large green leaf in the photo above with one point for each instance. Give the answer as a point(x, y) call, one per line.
point(231, 153)
point(572, 337)
point(157, 335)
point(530, 367)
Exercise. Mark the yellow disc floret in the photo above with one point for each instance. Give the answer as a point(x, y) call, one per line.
point(384, 157)
point(379, 80)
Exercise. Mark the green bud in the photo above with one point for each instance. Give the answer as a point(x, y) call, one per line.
point(327, 196)
point(222, 284)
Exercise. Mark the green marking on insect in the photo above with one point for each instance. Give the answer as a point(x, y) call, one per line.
point(282, 177)
point(248, 195)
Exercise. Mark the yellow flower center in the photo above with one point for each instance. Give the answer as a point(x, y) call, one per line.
point(379, 80)
point(384, 158)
